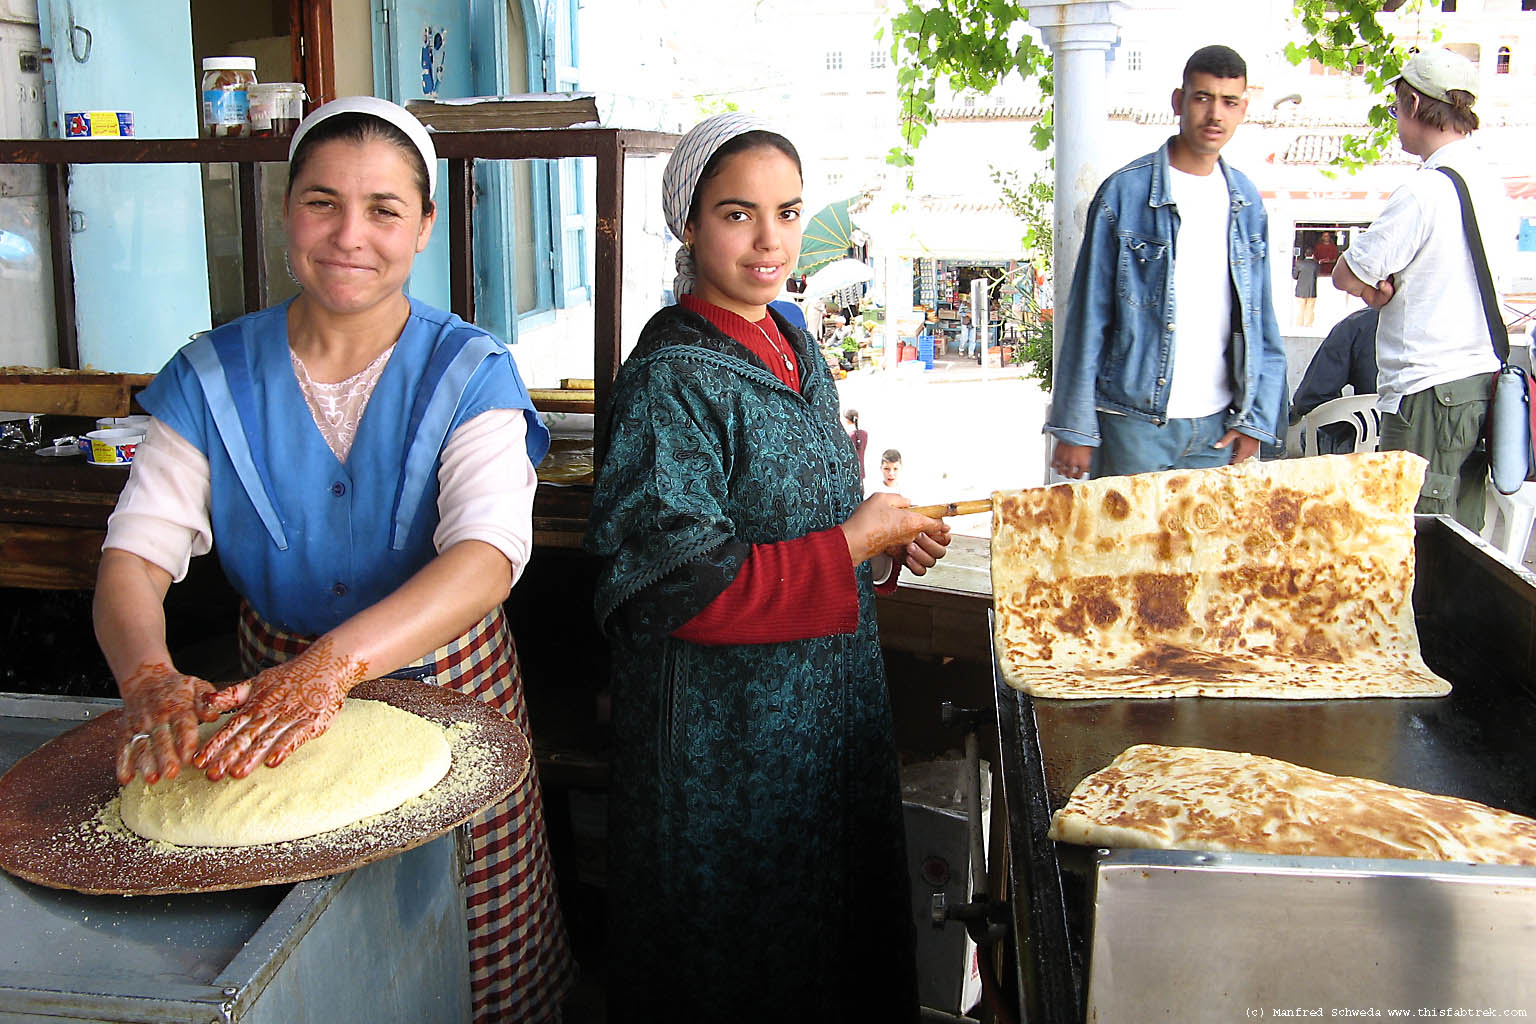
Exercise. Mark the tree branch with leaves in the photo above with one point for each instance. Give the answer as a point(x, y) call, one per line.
point(966, 45)
point(975, 44)
point(1347, 35)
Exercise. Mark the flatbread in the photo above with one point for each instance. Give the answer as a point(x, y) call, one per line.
point(1283, 579)
point(372, 759)
point(1191, 798)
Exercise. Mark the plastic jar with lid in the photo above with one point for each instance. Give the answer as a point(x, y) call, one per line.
point(276, 108)
point(226, 97)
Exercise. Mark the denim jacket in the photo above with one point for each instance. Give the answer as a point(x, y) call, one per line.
point(1116, 352)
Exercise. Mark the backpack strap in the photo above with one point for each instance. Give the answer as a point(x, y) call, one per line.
point(1496, 329)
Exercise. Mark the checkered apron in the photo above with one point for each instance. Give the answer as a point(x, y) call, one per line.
point(519, 964)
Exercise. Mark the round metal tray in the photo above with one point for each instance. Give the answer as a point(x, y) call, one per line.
point(59, 825)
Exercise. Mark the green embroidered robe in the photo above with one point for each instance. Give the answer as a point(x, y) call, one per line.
point(756, 864)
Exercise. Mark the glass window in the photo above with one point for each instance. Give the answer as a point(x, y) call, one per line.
point(1502, 67)
point(834, 60)
point(878, 60)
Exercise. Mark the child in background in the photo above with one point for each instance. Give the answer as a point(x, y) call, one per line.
point(890, 472)
point(860, 438)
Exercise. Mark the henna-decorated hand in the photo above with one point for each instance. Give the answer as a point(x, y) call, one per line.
point(923, 552)
point(883, 523)
point(161, 711)
point(279, 709)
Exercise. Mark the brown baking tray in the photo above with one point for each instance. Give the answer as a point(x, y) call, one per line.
point(59, 825)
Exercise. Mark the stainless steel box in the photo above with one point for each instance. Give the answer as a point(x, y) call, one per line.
point(1219, 937)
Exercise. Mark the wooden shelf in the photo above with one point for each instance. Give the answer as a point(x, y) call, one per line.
point(69, 392)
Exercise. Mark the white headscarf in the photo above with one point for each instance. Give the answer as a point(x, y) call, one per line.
point(383, 110)
point(681, 178)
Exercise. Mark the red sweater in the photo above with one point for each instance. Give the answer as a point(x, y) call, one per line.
point(789, 590)
point(762, 337)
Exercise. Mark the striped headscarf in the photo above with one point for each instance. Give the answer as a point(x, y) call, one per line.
point(681, 178)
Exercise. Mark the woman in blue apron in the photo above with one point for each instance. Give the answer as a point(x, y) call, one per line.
point(364, 464)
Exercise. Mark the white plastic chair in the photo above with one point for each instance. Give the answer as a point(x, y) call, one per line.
point(1509, 519)
point(1359, 411)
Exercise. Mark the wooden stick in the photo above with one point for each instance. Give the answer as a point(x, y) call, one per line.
point(954, 508)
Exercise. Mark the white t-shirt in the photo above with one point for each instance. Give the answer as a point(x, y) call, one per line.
point(1201, 383)
point(1433, 330)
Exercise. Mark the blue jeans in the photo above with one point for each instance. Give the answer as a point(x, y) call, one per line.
point(1131, 445)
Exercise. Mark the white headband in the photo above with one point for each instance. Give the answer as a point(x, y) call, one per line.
point(384, 111)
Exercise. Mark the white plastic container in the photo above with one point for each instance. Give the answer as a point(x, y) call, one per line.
point(138, 422)
point(276, 107)
point(113, 447)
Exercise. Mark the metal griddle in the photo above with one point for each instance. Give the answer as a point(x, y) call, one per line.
point(50, 800)
point(1477, 621)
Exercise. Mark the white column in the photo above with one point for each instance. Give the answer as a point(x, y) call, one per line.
point(1079, 34)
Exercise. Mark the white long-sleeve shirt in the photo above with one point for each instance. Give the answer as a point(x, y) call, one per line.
point(486, 484)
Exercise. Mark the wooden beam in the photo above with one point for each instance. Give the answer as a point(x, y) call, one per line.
point(607, 288)
point(461, 238)
point(49, 557)
point(253, 255)
point(314, 48)
point(57, 178)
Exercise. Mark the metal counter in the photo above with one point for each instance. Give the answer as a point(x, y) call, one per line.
point(386, 942)
point(1095, 929)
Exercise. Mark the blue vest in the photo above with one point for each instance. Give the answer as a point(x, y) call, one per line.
point(309, 541)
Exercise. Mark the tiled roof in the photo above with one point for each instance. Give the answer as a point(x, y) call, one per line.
point(1141, 115)
point(955, 204)
point(1319, 148)
point(988, 112)
point(1287, 118)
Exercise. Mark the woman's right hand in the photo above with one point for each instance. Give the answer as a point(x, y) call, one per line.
point(161, 712)
point(884, 522)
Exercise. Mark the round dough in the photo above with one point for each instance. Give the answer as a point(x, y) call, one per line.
point(372, 759)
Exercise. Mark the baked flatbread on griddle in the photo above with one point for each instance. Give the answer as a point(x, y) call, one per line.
point(1191, 798)
point(1289, 579)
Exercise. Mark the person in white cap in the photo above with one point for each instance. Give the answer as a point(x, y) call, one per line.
point(1435, 359)
point(756, 864)
point(364, 464)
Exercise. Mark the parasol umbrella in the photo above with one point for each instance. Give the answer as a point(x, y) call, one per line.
point(836, 276)
point(826, 237)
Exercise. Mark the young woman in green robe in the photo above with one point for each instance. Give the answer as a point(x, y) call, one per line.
point(756, 858)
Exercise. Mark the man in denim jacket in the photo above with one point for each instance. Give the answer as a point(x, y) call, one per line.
point(1170, 355)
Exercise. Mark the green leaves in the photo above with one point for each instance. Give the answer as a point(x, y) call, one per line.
point(969, 45)
point(973, 45)
point(1345, 35)
point(1033, 202)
